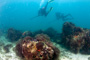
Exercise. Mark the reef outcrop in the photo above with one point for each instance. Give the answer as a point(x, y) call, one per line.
point(75, 38)
point(38, 48)
point(50, 32)
point(13, 35)
point(53, 34)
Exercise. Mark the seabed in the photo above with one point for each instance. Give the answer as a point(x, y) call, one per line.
point(64, 54)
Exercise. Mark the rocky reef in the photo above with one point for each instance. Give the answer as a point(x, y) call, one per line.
point(13, 35)
point(53, 34)
point(38, 48)
point(76, 39)
point(50, 32)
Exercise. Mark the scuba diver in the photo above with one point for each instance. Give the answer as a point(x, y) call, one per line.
point(42, 11)
point(63, 17)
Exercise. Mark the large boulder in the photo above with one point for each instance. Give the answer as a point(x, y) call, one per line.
point(38, 48)
point(75, 38)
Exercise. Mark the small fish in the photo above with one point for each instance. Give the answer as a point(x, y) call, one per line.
point(39, 50)
point(75, 36)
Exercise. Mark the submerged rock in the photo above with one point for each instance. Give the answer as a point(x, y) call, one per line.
point(13, 34)
point(88, 58)
point(7, 48)
point(50, 32)
point(37, 49)
point(75, 38)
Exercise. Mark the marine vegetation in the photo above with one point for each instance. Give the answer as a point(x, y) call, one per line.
point(75, 38)
point(13, 35)
point(38, 48)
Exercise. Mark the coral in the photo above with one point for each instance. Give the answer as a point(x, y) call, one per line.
point(75, 38)
point(37, 49)
point(13, 34)
point(7, 48)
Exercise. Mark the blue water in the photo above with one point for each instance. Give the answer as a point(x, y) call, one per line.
point(18, 14)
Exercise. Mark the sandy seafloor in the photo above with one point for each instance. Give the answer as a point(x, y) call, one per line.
point(64, 54)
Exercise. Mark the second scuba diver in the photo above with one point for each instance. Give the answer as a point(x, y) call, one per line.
point(63, 17)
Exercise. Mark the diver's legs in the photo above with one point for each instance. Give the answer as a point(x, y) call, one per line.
point(46, 6)
point(48, 11)
point(65, 19)
point(71, 16)
point(68, 15)
point(48, 3)
point(50, 0)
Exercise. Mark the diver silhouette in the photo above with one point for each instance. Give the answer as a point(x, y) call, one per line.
point(63, 17)
point(42, 11)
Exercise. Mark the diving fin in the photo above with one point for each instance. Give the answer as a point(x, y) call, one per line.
point(51, 8)
point(50, 0)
